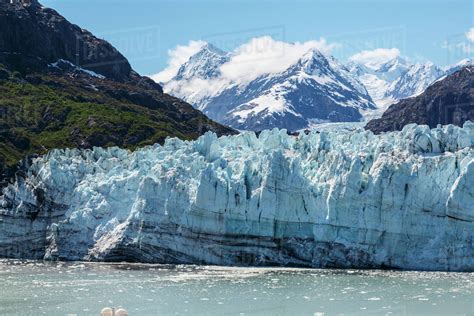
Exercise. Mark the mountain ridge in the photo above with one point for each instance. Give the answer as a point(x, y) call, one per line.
point(327, 92)
point(447, 101)
point(395, 79)
point(284, 99)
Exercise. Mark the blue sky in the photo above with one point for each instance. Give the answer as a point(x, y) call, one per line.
point(146, 30)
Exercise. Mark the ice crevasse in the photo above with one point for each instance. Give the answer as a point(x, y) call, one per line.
point(326, 199)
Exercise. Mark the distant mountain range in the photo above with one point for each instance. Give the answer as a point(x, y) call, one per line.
point(398, 79)
point(450, 100)
point(315, 89)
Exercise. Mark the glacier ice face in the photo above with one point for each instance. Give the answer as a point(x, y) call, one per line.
point(326, 199)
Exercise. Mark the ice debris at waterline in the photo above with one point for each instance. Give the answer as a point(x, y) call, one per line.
point(329, 199)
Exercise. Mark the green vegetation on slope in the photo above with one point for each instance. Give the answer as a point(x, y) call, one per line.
point(56, 112)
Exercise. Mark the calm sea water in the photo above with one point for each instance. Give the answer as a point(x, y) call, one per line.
point(36, 288)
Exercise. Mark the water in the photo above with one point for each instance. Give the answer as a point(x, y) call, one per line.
point(84, 288)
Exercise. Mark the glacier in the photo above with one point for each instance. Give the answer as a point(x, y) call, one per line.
point(339, 198)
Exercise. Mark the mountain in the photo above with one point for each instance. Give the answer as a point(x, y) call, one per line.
point(395, 79)
point(196, 80)
point(447, 101)
point(314, 89)
point(414, 81)
point(34, 36)
point(60, 86)
point(458, 66)
point(340, 199)
point(205, 64)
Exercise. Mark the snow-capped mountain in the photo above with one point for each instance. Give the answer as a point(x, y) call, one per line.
point(314, 89)
point(395, 79)
point(377, 77)
point(461, 64)
point(414, 81)
point(447, 101)
point(205, 64)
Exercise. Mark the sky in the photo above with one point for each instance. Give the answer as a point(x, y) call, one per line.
point(154, 34)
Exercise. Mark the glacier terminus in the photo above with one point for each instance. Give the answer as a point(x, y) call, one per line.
point(336, 198)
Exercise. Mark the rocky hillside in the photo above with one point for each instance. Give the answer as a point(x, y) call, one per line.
point(447, 101)
point(62, 87)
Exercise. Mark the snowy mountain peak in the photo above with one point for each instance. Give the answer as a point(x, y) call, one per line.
point(204, 64)
point(312, 55)
point(395, 79)
point(313, 62)
point(211, 49)
point(311, 87)
point(390, 67)
point(395, 64)
point(465, 62)
point(423, 67)
point(326, 70)
point(414, 81)
point(461, 64)
point(315, 88)
point(355, 68)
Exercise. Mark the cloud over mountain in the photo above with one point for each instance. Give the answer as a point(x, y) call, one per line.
point(258, 56)
point(375, 57)
point(178, 56)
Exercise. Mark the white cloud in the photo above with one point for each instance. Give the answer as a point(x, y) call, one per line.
point(470, 34)
point(193, 90)
point(177, 57)
point(264, 55)
point(258, 56)
point(375, 57)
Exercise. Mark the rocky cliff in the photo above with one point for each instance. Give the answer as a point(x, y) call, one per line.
point(33, 36)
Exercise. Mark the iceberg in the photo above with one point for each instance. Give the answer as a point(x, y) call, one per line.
point(345, 199)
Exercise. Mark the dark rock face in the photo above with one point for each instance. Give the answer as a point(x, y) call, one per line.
point(33, 36)
point(448, 101)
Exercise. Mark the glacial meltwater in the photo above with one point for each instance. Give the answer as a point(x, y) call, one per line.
point(37, 288)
